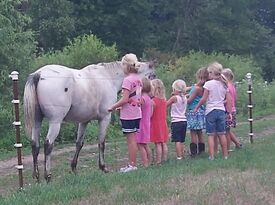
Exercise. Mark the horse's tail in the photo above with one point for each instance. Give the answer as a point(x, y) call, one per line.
point(31, 105)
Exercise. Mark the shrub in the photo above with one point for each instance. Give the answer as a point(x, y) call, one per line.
point(186, 67)
point(81, 51)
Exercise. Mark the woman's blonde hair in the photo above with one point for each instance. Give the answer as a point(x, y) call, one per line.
point(202, 75)
point(216, 70)
point(146, 85)
point(228, 73)
point(131, 61)
point(180, 86)
point(158, 88)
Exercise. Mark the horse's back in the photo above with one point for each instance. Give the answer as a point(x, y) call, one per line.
point(54, 91)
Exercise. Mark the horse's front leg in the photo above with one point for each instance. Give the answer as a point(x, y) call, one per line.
point(79, 144)
point(48, 147)
point(103, 125)
point(35, 150)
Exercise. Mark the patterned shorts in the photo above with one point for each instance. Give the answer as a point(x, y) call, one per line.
point(196, 120)
point(230, 123)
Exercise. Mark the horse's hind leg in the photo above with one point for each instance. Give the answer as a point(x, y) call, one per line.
point(103, 125)
point(79, 144)
point(48, 146)
point(35, 149)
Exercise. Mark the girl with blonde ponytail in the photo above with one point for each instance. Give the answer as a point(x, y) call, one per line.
point(214, 95)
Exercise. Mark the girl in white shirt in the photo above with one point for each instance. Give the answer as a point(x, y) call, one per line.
point(215, 95)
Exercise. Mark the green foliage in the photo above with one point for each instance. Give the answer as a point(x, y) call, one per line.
point(186, 67)
point(263, 96)
point(53, 22)
point(125, 23)
point(17, 44)
point(82, 51)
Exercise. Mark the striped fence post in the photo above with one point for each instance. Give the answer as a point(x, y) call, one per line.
point(17, 123)
point(250, 106)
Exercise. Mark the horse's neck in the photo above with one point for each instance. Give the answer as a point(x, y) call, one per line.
point(115, 72)
point(110, 71)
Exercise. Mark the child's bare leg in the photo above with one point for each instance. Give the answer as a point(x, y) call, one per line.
point(158, 152)
point(194, 143)
point(179, 149)
point(211, 146)
point(234, 139)
point(132, 148)
point(200, 136)
point(143, 154)
point(164, 151)
point(216, 144)
point(194, 136)
point(148, 152)
point(223, 143)
point(228, 139)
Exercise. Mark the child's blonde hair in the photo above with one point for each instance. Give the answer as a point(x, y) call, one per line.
point(228, 73)
point(158, 88)
point(180, 86)
point(202, 75)
point(216, 70)
point(146, 85)
point(131, 61)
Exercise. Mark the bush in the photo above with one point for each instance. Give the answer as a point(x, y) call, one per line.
point(82, 51)
point(186, 67)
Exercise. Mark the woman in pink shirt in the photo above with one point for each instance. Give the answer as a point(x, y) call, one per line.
point(130, 112)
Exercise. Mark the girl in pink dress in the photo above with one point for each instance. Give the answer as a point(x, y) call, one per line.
point(230, 135)
point(143, 136)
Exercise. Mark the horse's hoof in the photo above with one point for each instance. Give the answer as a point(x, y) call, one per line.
point(105, 170)
point(48, 178)
point(74, 170)
point(35, 175)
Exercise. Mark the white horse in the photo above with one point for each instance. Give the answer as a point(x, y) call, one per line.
point(59, 94)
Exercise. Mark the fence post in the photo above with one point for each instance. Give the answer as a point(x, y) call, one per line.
point(17, 123)
point(250, 105)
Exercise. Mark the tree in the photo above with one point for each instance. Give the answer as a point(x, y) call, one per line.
point(125, 23)
point(52, 22)
point(17, 44)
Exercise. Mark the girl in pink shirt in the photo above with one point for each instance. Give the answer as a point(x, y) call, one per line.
point(130, 112)
point(231, 123)
point(143, 136)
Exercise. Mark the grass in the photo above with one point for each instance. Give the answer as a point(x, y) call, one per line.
point(247, 173)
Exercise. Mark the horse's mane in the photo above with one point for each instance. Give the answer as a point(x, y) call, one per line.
point(111, 65)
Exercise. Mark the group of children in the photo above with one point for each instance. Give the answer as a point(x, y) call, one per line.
point(209, 104)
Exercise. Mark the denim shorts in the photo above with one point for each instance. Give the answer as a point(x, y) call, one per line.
point(215, 122)
point(178, 131)
point(130, 126)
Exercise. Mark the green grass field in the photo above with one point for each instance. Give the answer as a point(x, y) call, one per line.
point(247, 177)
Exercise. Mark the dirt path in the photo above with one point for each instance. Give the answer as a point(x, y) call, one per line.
point(7, 167)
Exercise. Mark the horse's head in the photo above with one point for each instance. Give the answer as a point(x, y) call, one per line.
point(147, 69)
